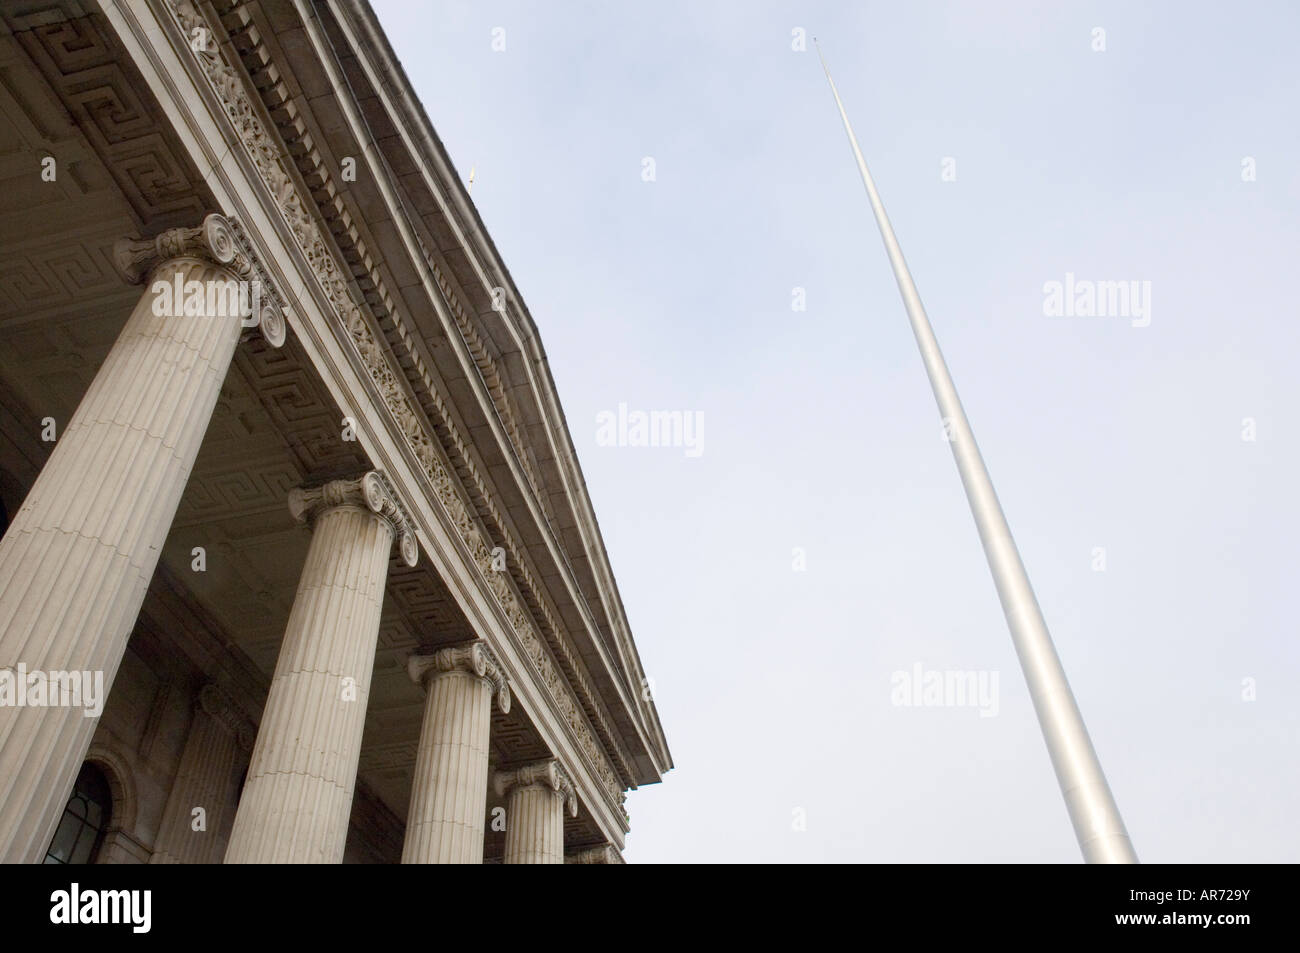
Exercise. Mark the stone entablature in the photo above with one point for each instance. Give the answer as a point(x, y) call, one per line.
point(226, 83)
point(356, 23)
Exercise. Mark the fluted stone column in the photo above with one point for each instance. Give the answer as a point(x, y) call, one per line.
point(538, 794)
point(444, 824)
point(298, 794)
point(77, 559)
point(203, 780)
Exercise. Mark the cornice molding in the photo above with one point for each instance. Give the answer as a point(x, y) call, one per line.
point(357, 22)
point(618, 654)
point(228, 87)
point(483, 501)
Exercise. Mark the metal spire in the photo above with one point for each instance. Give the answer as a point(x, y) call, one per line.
point(1097, 822)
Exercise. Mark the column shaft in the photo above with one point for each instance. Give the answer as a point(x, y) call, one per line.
point(77, 559)
point(298, 795)
point(204, 779)
point(449, 795)
point(534, 826)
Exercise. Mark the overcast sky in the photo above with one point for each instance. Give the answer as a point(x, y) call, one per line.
point(1146, 460)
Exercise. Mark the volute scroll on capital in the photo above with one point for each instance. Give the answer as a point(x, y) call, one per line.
point(475, 658)
point(220, 240)
point(216, 702)
point(600, 854)
point(549, 774)
point(371, 491)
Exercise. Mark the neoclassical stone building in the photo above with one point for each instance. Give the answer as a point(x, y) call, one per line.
point(325, 543)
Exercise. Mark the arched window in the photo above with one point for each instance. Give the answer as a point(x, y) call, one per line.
point(81, 829)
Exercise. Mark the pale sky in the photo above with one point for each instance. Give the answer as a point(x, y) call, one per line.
point(1148, 472)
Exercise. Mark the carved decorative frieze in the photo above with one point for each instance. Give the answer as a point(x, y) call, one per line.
point(270, 163)
point(475, 658)
point(371, 491)
point(550, 626)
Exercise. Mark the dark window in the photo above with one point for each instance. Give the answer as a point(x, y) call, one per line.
point(81, 829)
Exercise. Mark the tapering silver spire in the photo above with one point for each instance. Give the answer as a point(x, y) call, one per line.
point(1097, 822)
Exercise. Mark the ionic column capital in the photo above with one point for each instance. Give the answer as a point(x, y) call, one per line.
point(371, 491)
point(217, 239)
point(212, 240)
point(600, 854)
point(475, 658)
point(548, 774)
point(215, 701)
